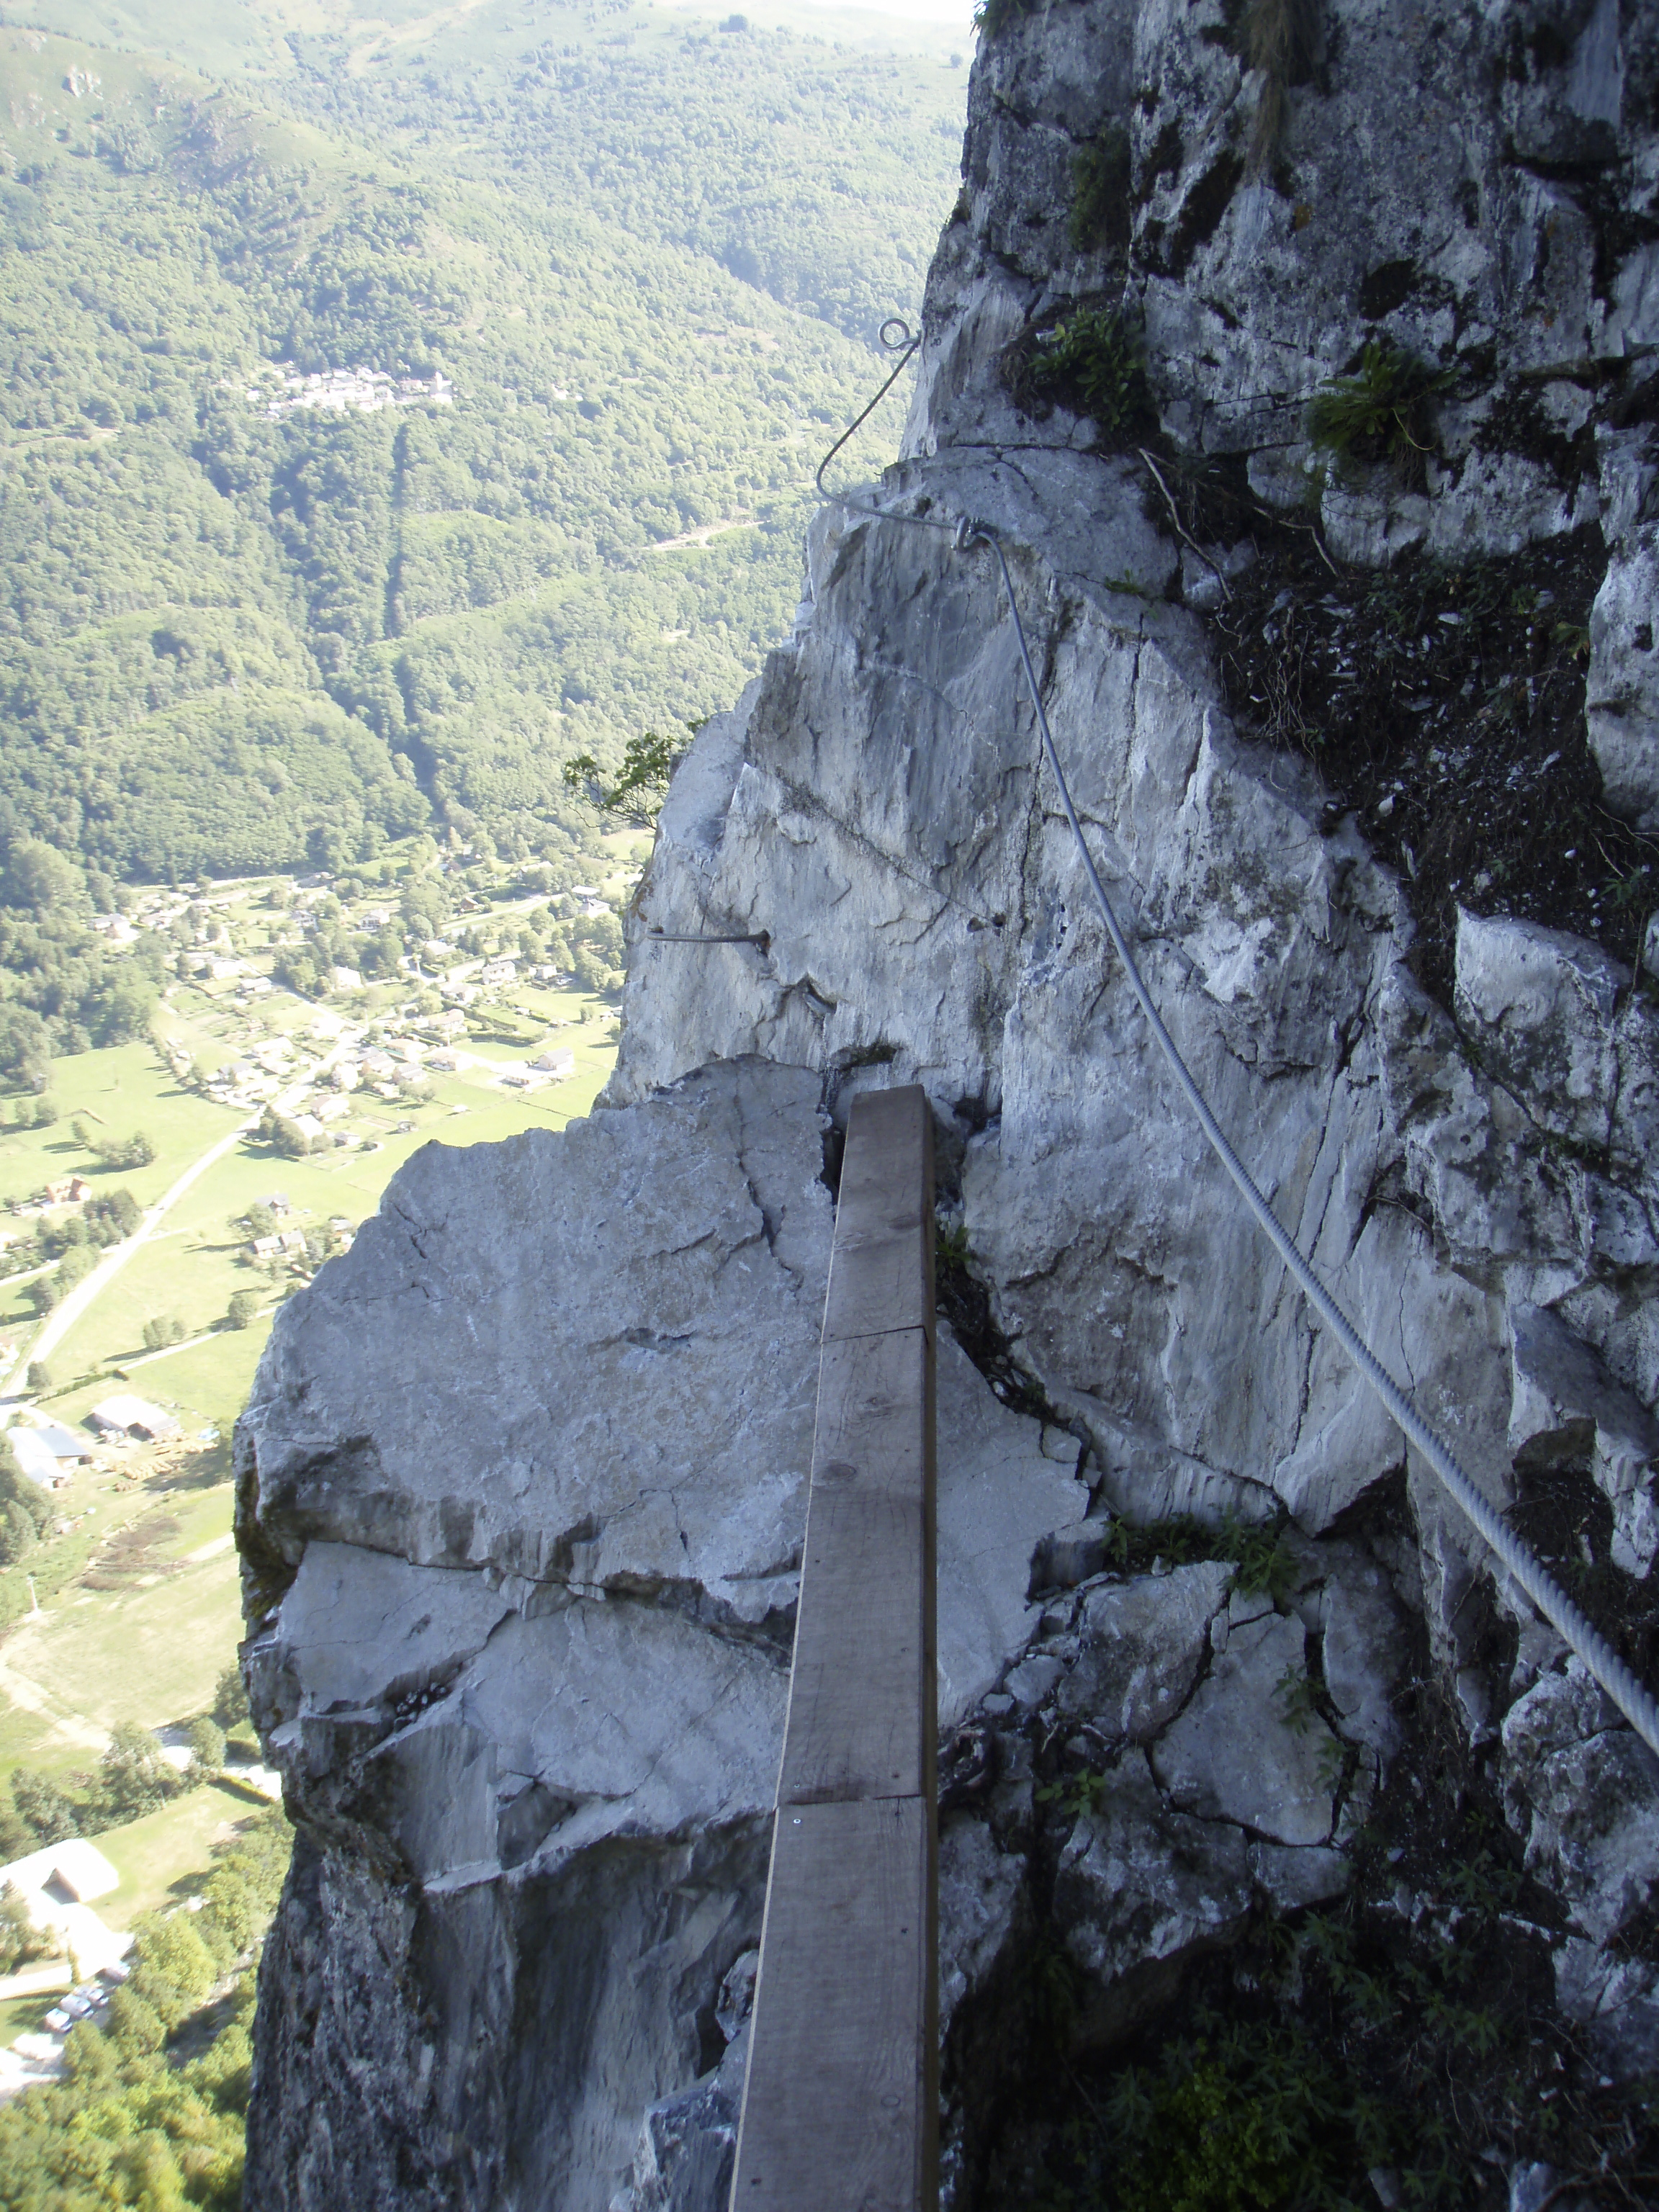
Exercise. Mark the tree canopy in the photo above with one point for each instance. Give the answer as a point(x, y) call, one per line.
point(241, 629)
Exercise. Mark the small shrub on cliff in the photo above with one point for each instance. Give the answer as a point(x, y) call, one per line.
point(1100, 191)
point(1090, 363)
point(1379, 414)
point(1226, 2129)
point(992, 17)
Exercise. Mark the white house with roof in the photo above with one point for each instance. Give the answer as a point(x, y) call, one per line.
point(47, 1451)
point(57, 1886)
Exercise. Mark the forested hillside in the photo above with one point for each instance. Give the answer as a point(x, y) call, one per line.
point(636, 263)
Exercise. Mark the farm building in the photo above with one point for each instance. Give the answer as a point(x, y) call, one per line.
point(54, 1885)
point(125, 1415)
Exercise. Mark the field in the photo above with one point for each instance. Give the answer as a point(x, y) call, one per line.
point(149, 1854)
point(149, 1650)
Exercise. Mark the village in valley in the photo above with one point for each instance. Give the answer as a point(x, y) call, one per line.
point(159, 1201)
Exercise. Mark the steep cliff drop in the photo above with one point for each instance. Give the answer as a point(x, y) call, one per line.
point(1305, 359)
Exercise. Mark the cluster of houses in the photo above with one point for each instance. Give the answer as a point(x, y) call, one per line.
point(267, 1069)
point(49, 1451)
point(341, 391)
point(278, 1245)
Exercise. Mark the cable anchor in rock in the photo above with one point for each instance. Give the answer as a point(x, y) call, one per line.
point(761, 937)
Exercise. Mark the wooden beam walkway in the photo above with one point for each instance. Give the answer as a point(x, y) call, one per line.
point(840, 2103)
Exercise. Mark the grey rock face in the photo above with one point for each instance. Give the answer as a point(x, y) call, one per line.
point(1586, 1794)
point(1122, 1267)
point(688, 2144)
point(1396, 201)
point(1451, 1171)
point(1566, 1409)
point(1249, 1747)
point(999, 1495)
point(1555, 1022)
point(982, 1905)
point(1623, 698)
point(1144, 1643)
point(1139, 1883)
point(523, 1566)
point(1363, 1653)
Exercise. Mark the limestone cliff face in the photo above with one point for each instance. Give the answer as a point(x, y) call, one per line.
point(522, 1479)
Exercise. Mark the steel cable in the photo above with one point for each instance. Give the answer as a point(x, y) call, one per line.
point(1631, 1695)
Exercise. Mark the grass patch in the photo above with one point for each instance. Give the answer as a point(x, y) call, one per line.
point(1264, 1563)
point(128, 1089)
point(148, 1653)
point(165, 1855)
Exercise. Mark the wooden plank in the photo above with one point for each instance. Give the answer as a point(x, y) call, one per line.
point(839, 2105)
point(855, 1727)
point(888, 1154)
point(876, 1413)
point(861, 1696)
point(881, 1265)
point(880, 1283)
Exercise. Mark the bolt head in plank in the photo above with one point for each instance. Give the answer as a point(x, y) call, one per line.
point(839, 2107)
